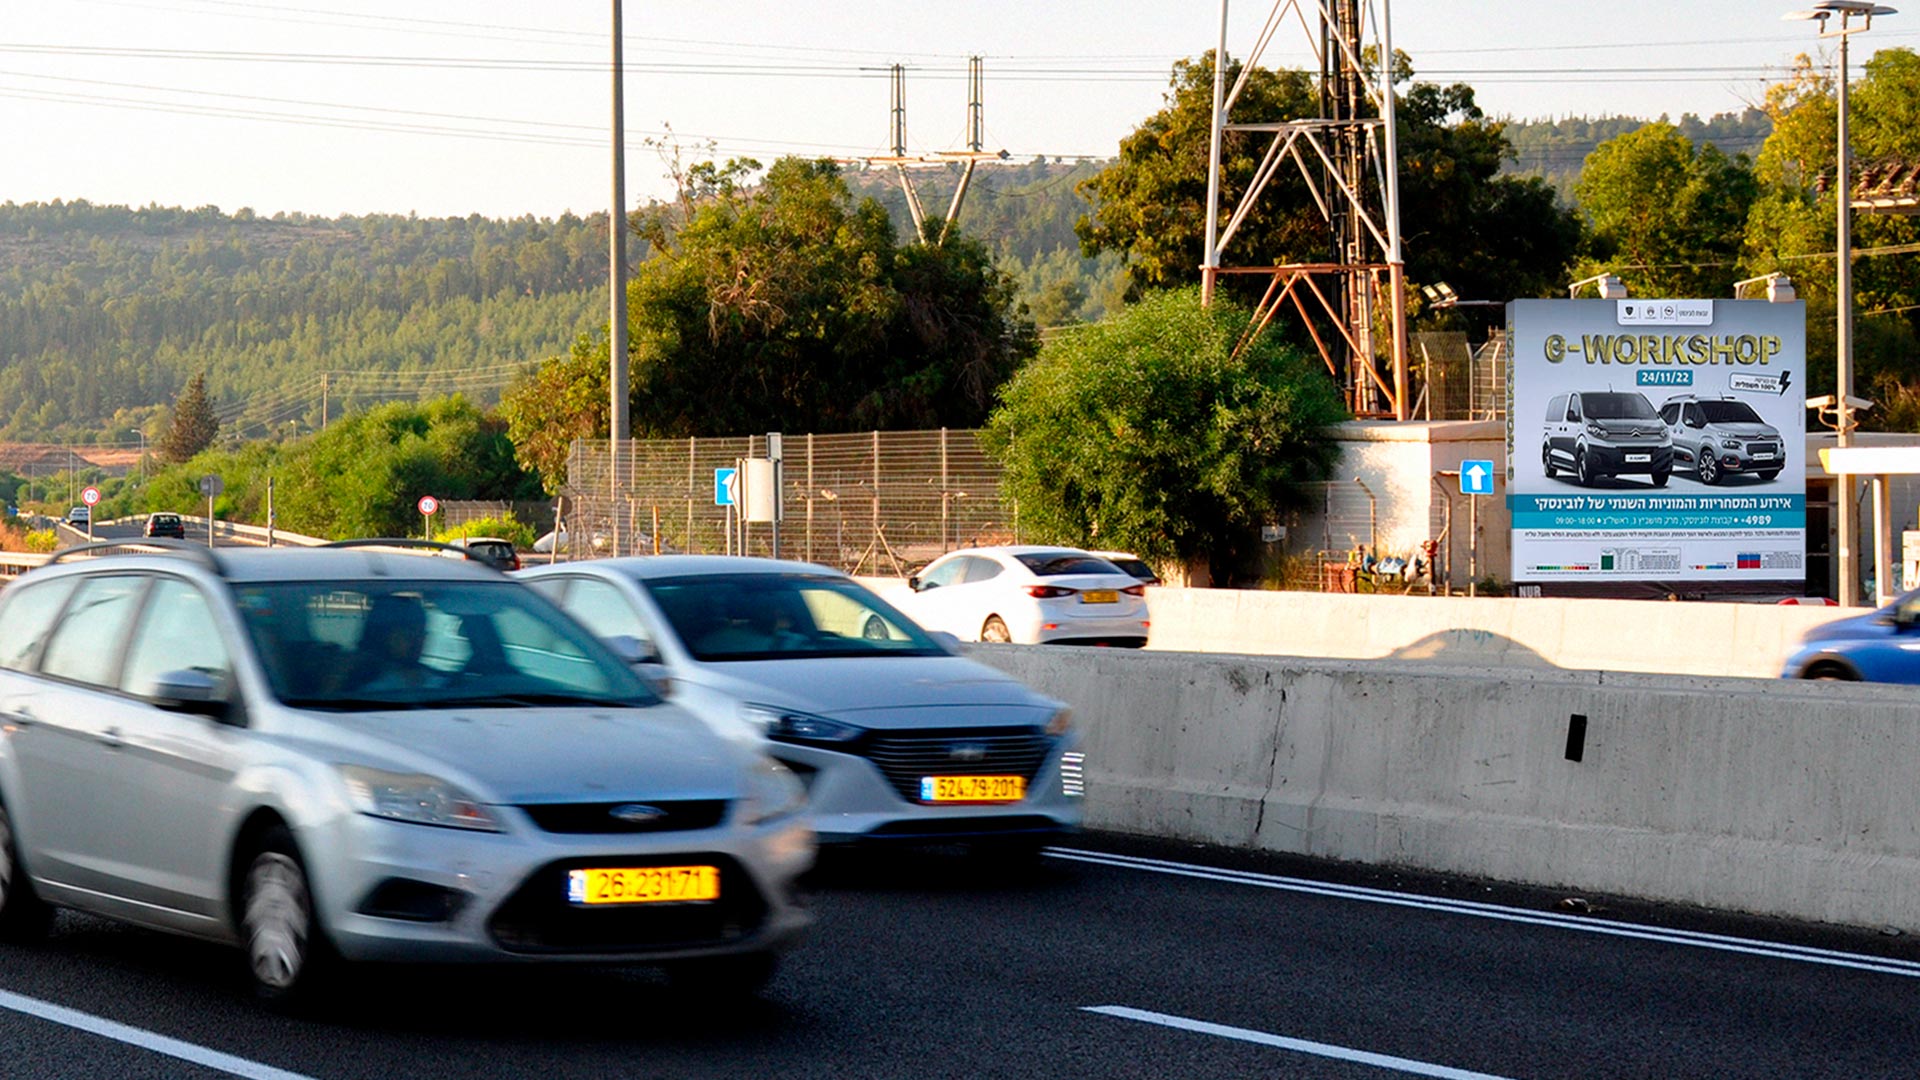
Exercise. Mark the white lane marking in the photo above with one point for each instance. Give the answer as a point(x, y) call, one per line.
point(1299, 1046)
point(1693, 939)
point(144, 1039)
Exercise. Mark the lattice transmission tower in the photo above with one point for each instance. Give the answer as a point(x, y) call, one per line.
point(1348, 159)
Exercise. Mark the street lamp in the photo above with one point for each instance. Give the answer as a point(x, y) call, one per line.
point(1779, 287)
point(1608, 286)
point(141, 464)
point(1848, 11)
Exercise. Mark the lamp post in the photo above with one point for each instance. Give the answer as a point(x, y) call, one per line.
point(140, 466)
point(1848, 11)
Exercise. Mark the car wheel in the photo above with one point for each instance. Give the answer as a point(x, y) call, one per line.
point(1546, 461)
point(1659, 479)
point(724, 977)
point(287, 951)
point(23, 916)
point(1770, 474)
point(1708, 467)
point(874, 629)
point(1830, 673)
point(995, 630)
point(1582, 471)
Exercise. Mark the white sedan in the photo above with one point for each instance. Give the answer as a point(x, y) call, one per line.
point(1032, 595)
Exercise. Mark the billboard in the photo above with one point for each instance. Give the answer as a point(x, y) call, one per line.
point(1657, 440)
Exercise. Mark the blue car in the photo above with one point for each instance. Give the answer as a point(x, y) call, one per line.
point(1880, 646)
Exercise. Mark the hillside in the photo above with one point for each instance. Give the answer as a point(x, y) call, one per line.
point(1555, 149)
point(106, 311)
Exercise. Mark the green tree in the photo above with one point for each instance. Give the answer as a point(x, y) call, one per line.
point(193, 424)
point(1147, 432)
point(1489, 236)
point(565, 399)
point(1667, 216)
point(788, 305)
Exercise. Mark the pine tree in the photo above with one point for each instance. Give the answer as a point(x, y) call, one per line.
point(193, 425)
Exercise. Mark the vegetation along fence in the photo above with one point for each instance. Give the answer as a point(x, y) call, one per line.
point(877, 502)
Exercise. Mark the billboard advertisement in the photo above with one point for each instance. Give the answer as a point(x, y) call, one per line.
point(1657, 440)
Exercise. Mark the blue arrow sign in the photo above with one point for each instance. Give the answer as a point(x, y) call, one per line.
point(1476, 478)
point(723, 486)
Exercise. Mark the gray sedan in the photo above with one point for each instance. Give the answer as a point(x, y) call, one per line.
point(362, 755)
point(895, 736)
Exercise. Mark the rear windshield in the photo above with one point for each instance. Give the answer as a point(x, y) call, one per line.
point(1135, 568)
point(1616, 407)
point(1055, 563)
point(1729, 412)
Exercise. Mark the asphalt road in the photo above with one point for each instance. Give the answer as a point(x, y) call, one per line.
point(134, 529)
point(1114, 957)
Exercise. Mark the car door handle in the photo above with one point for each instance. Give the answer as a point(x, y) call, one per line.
point(110, 738)
point(20, 718)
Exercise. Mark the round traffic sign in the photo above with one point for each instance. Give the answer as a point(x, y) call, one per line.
point(428, 505)
point(90, 496)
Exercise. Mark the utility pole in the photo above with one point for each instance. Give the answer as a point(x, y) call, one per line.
point(897, 112)
point(324, 376)
point(617, 300)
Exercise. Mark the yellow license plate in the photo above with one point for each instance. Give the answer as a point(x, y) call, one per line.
point(975, 789)
point(1100, 596)
point(644, 885)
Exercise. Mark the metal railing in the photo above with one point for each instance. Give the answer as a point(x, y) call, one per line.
point(878, 502)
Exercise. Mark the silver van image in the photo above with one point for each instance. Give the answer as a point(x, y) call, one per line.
point(1604, 433)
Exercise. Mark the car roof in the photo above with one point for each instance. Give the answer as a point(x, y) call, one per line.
point(1017, 549)
point(649, 567)
point(291, 564)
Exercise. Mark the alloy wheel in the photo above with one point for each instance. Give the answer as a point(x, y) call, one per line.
point(278, 921)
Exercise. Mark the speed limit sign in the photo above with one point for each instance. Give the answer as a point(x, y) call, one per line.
point(90, 496)
point(428, 505)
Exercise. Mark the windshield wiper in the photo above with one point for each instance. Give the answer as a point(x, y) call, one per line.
point(355, 704)
point(508, 701)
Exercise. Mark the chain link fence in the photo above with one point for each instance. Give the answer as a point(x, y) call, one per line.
point(880, 502)
point(1462, 381)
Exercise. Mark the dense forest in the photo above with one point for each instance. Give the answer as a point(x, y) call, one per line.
point(1555, 149)
point(106, 311)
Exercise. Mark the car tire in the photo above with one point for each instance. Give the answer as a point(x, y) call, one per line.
point(1769, 474)
point(1582, 471)
point(1830, 673)
point(1546, 461)
point(23, 915)
point(995, 630)
point(288, 955)
point(1659, 479)
point(724, 977)
point(1707, 467)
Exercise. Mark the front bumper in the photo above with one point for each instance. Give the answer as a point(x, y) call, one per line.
point(495, 885)
point(851, 800)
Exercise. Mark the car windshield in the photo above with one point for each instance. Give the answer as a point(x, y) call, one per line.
point(372, 645)
point(1054, 563)
point(724, 617)
point(1616, 407)
point(1729, 412)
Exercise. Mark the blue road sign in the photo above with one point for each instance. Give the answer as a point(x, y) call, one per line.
point(723, 486)
point(1476, 478)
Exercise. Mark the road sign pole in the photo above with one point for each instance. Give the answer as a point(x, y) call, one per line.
point(1473, 544)
point(209, 520)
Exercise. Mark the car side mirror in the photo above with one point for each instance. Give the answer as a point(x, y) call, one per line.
point(633, 650)
point(188, 691)
point(914, 583)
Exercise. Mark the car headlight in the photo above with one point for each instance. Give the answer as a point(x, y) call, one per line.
point(1061, 723)
point(772, 792)
point(791, 725)
point(1596, 429)
point(1731, 444)
point(422, 800)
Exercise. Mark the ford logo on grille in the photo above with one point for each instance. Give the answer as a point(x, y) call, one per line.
point(967, 752)
point(636, 814)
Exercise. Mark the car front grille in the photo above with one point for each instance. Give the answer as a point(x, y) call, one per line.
point(903, 758)
point(588, 819)
point(1763, 448)
point(537, 918)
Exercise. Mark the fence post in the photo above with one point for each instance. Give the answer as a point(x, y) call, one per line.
point(945, 498)
point(692, 548)
point(810, 494)
point(875, 543)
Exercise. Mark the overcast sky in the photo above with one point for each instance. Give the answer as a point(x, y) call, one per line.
point(461, 106)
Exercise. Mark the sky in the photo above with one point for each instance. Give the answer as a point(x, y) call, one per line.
point(454, 107)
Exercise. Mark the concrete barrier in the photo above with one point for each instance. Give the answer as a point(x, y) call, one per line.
point(1782, 798)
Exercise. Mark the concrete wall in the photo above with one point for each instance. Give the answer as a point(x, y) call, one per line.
point(1612, 635)
point(1792, 799)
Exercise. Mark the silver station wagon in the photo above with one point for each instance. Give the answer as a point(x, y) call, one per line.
point(334, 755)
